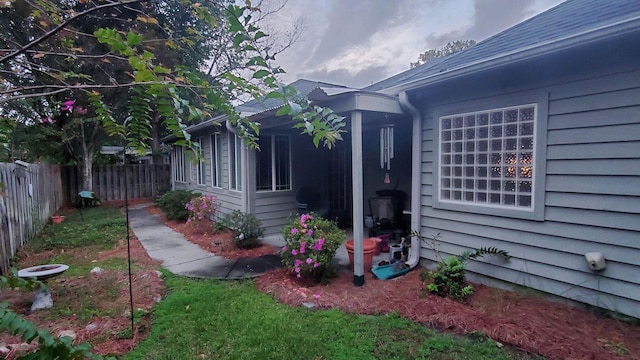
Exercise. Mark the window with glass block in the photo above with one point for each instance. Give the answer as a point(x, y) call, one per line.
point(486, 157)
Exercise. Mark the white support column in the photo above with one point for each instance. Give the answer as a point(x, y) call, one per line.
point(244, 176)
point(358, 211)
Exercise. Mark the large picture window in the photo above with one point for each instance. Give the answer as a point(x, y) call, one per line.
point(487, 158)
point(179, 164)
point(273, 163)
point(216, 160)
point(235, 162)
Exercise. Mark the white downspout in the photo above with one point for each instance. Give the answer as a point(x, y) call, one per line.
point(244, 163)
point(416, 197)
point(230, 127)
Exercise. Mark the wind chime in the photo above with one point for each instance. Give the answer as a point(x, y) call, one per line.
point(386, 150)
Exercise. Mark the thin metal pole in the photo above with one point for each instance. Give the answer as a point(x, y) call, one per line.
point(126, 206)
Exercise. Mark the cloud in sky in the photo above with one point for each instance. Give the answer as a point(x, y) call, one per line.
point(359, 42)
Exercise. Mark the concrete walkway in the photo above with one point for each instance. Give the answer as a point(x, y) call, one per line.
point(182, 257)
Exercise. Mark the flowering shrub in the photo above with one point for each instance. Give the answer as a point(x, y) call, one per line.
point(311, 242)
point(201, 207)
point(173, 203)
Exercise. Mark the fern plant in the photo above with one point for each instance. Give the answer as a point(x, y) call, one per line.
point(448, 278)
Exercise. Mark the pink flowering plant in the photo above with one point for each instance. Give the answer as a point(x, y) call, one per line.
point(311, 242)
point(201, 208)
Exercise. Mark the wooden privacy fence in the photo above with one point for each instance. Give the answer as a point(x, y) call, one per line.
point(109, 183)
point(30, 194)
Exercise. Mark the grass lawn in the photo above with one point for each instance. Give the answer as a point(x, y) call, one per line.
point(101, 226)
point(232, 320)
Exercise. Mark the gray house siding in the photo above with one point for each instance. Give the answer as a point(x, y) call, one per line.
point(228, 200)
point(275, 209)
point(591, 194)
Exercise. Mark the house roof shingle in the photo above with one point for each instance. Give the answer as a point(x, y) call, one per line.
point(303, 86)
point(568, 19)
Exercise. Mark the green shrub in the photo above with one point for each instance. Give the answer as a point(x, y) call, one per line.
point(311, 242)
point(448, 278)
point(246, 227)
point(173, 203)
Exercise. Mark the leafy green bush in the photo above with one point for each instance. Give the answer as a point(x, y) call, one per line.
point(448, 278)
point(246, 227)
point(311, 242)
point(173, 203)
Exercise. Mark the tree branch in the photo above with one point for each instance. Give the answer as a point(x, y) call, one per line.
point(63, 25)
point(85, 87)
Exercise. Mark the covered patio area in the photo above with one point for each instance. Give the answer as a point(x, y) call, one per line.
point(366, 181)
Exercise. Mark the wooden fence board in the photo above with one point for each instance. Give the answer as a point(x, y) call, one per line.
point(142, 180)
point(31, 194)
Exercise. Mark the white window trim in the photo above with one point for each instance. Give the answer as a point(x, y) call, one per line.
point(201, 175)
point(536, 212)
point(179, 164)
point(216, 160)
point(273, 164)
point(237, 151)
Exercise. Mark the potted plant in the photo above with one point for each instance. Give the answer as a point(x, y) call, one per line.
point(57, 219)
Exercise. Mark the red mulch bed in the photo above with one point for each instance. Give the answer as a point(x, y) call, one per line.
point(103, 332)
point(203, 234)
point(529, 323)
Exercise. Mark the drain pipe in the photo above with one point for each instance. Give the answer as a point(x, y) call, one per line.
point(230, 127)
point(244, 194)
point(416, 149)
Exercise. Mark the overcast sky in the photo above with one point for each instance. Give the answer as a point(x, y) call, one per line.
point(359, 42)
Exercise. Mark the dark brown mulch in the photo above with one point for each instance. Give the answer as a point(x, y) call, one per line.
point(530, 323)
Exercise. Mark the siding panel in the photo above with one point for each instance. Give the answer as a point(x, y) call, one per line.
point(617, 116)
point(617, 237)
point(594, 167)
point(599, 134)
point(624, 150)
point(274, 209)
point(623, 204)
point(607, 100)
point(611, 185)
point(592, 198)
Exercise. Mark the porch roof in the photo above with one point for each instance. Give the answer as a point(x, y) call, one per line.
point(340, 99)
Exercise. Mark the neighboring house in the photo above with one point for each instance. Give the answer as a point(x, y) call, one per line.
point(146, 158)
point(528, 141)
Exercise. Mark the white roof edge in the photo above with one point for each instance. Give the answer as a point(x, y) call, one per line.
point(581, 38)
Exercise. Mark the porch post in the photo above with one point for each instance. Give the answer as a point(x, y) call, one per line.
point(358, 212)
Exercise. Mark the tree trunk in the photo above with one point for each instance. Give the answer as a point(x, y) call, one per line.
point(87, 164)
point(87, 174)
point(88, 149)
point(155, 139)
